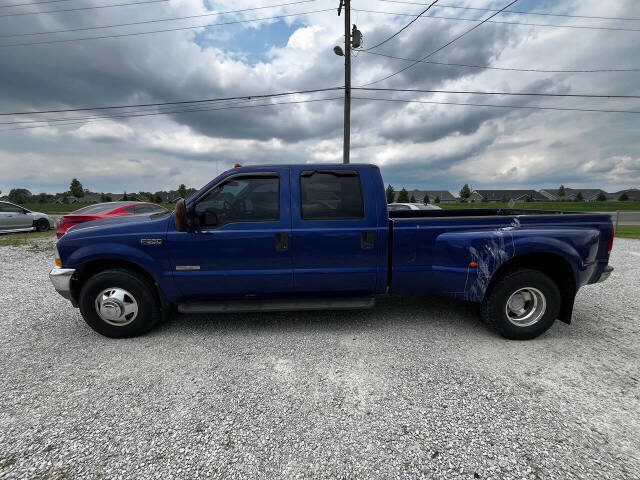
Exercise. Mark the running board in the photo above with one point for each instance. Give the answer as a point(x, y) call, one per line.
point(277, 305)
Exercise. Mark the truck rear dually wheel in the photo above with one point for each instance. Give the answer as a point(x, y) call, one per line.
point(522, 304)
point(119, 303)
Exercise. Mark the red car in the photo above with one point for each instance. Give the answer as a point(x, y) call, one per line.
point(105, 210)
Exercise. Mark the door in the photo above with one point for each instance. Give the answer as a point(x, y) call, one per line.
point(240, 245)
point(13, 217)
point(4, 217)
point(334, 230)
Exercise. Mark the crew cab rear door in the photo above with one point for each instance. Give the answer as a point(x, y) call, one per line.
point(334, 231)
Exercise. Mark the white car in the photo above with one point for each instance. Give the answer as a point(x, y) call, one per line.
point(394, 207)
point(14, 218)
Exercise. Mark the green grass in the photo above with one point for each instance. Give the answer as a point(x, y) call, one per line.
point(562, 206)
point(54, 208)
point(62, 208)
point(628, 231)
point(36, 241)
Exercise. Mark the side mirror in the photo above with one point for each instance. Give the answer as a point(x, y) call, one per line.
point(181, 215)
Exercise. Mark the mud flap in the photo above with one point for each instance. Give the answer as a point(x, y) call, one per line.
point(566, 310)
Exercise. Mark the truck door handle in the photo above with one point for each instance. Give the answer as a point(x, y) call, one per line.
point(282, 241)
point(367, 240)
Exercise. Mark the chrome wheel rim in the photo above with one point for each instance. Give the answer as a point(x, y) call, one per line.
point(526, 306)
point(116, 306)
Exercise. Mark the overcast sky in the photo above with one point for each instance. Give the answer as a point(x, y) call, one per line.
point(417, 145)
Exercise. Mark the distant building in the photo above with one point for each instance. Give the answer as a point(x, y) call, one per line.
point(66, 199)
point(443, 195)
point(506, 195)
point(632, 193)
point(570, 194)
point(171, 196)
point(91, 197)
point(115, 197)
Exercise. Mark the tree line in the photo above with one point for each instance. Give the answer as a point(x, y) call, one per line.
point(403, 196)
point(466, 191)
point(22, 195)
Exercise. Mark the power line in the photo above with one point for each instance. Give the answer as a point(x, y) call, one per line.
point(492, 105)
point(82, 8)
point(300, 92)
point(182, 111)
point(521, 12)
point(136, 112)
point(157, 21)
point(468, 104)
point(33, 3)
point(167, 112)
point(512, 94)
point(537, 70)
point(403, 28)
point(505, 22)
point(180, 102)
point(124, 114)
point(466, 32)
point(48, 42)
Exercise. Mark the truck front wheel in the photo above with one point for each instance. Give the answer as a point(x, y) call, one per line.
point(522, 304)
point(119, 303)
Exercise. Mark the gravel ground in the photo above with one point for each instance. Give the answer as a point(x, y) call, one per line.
point(416, 388)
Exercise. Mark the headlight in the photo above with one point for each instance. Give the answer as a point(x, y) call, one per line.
point(57, 257)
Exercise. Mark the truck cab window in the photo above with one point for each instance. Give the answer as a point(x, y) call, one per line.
point(240, 199)
point(331, 195)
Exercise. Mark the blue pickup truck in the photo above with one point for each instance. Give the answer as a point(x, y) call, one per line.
point(304, 237)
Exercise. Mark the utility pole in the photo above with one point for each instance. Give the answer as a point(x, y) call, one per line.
point(352, 38)
point(347, 81)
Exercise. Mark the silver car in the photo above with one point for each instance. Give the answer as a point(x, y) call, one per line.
point(14, 218)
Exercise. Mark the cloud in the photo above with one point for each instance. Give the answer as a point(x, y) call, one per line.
point(107, 131)
point(417, 145)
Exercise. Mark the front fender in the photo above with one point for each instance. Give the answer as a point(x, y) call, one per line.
point(154, 264)
point(111, 251)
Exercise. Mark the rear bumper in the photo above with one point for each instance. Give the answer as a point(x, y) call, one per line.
point(61, 280)
point(605, 274)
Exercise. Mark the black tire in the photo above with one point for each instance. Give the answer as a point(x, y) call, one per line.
point(42, 225)
point(137, 286)
point(494, 307)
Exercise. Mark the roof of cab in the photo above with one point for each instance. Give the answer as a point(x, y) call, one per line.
point(305, 165)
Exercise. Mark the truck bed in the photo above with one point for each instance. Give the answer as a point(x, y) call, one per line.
point(456, 252)
point(475, 212)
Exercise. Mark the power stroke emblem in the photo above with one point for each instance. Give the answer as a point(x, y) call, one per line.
point(151, 241)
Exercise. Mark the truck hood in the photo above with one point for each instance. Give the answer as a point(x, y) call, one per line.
point(118, 224)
